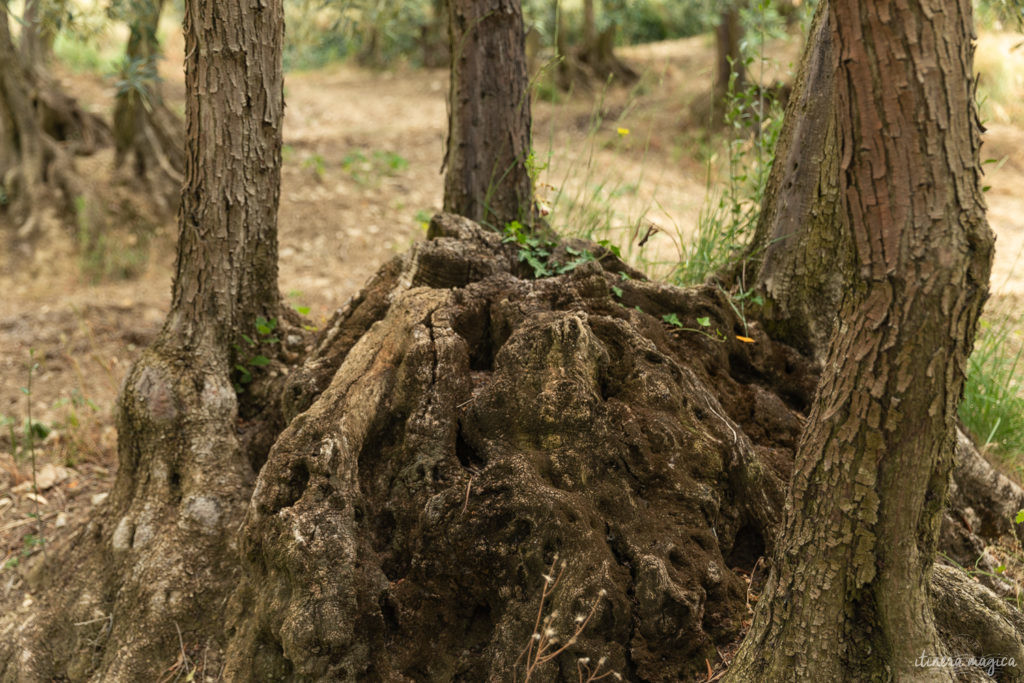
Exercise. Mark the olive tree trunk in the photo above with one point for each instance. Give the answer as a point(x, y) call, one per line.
point(800, 257)
point(41, 129)
point(154, 566)
point(849, 597)
point(594, 59)
point(729, 65)
point(487, 175)
point(147, 135)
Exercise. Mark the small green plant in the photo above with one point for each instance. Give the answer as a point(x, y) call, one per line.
point(367, 170)
point(704, 323)
point(993, 403)
point(20, 436)
point(317, 164)
point(301, 310)
point(253, 344)
point(73, 406)
point(136, 76)
point(533, 250)
point(28, 546)
point(422, 219)
point(537, 252)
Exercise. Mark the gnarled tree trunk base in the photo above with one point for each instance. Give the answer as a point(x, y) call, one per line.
point(456, 428)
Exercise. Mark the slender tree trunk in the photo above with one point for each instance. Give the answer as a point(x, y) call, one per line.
point(159, 557)
point(39, 30)
point(21, 140)
point(145, 130)
point(596, 52)
point(729, 58)
point(848, 596)
point(589, 23)
point(488, 148)
point(436, 45)
point(226, 274)
point(801, 256)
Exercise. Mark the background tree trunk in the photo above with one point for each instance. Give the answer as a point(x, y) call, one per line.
point(145, 130)
point(594, 58)
point(728, 56)
point(436, 45)
point(487, 177)
point(40, 22)
point(22, 161)
point(848, 596)
point(40, 130)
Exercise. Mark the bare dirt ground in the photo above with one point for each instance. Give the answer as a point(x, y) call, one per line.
point(362, 159)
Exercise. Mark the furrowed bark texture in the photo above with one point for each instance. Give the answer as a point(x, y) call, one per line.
point(801, 255)
point(455, 426)
point(154, 567)
point(848, 596)
point(226, 273)
point(487, 178)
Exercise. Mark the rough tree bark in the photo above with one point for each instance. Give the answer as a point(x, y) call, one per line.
point(145, 130)
point(800, 257)
point(158, 559)
point(848, 597)
point(487, 178)
point(456, 426)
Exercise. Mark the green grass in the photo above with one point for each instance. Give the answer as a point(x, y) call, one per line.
point(993, 404)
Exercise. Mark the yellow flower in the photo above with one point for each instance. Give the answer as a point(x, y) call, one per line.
point(623, 132)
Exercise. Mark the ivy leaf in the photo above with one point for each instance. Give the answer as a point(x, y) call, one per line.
point(248, 340)
point(617, 291)
point(1019, 519)
point(264, 326)
point(672, 319)
point(611, 247)
point(704, 322)
point(302, 310)
point(246, 376)
point(259, 361)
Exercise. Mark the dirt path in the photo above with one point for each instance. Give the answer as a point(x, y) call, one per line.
point(362, 160)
